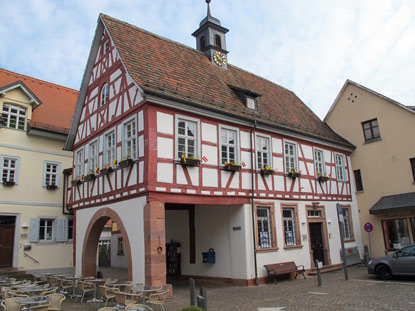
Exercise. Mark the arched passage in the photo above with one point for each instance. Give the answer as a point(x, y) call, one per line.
point(92, 234)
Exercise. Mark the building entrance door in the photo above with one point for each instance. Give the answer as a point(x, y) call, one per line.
point(7, 225)
point(316, 241)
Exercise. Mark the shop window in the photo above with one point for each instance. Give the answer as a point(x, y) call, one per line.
point(395, 233)
point(266, 234)
point(347, 224)
point(291, 227)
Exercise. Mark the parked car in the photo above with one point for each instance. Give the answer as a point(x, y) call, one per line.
point(401, 262)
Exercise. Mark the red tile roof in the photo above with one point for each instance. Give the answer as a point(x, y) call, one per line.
point(58, 102)
point(169, 68)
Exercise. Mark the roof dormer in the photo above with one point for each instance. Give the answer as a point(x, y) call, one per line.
point(248, 98)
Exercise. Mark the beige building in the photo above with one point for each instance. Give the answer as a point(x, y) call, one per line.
point(35, 230)
point(383, 163)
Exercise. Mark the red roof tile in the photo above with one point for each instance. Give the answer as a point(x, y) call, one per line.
point(58, 102)
point(169, 68)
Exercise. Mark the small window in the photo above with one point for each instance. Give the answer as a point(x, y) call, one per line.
point(130, 140)
point(14, 116)
point(79, 163)
point(263, 152)
point(251, 103)
point(358, 180)
point(314, 213)
point(93, 157)
point(290, 157)
point(106, 47)
point(229, 145)
point(218, 42)
point(371, 130)
point(319, 162)
point(347, 224)
point(340, 168)
point(70, 229)
point(46, 230)
point(109, 149)
point(291, 228)
point(395, 232)
point(10, 170)
point(202, 43)
point(104, 94)
point(120, 246)
point(266, 237)
point(51, 174)
point(187, 138)
point(412, 161)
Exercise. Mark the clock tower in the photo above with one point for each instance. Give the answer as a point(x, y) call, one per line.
point(211, 40)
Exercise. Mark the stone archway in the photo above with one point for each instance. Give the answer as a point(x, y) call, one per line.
point(92, 234)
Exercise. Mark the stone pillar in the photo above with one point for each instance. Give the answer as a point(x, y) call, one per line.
point(155, 243)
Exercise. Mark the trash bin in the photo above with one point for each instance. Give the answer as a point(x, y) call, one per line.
point(209, 257)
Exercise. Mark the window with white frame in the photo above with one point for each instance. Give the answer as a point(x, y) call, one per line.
point(290, 157)
point(93, 156)
point(346, 224)
point(264, 227)
point(14, 116)
point(10, 169)
point(109, 148)
point(46, 230)
point(104, 94)
point(106, 47)
point(263, 151)
point(51, 174)
point(340, 167)
point(79, 163)
point(130, 139)
point(319, 162)
point(289, 226)
point(228, 145)
point(187, 138)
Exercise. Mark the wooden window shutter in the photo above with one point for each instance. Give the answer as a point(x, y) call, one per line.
point(34, 230)
point(60, 230)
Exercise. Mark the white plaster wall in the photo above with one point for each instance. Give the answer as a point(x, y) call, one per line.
point(164, 123)
point(131, 213)
point(209, 132)
point(164, 148)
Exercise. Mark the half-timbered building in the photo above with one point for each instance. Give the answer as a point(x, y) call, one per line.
point(207, 170)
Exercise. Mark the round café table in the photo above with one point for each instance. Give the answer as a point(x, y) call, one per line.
point(96, 282)
point(27, 303)
point(32, 290)
point(145, 290)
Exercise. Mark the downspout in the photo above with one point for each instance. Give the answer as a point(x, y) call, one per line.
point(66, 172)
point(252, 202)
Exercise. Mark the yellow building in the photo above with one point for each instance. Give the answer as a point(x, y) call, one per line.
point(35, 231)
point(383, 163)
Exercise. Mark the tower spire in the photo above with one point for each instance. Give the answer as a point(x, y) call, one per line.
point(208, 7)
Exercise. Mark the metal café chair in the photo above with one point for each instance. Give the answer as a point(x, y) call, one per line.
point(10, 304)
point(64, 285)
point(55, 301)
point(125, 299)
point(107, 293)
point(158, 300)
point(85, 287)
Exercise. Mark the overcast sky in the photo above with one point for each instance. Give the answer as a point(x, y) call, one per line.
point(307, 46)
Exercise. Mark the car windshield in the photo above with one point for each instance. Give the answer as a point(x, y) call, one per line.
point(407, 251)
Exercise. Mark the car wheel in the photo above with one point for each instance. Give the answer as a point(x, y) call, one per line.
point(383, 272)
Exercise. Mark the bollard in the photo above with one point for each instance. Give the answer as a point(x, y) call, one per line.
point(192, 292)
point(367, 257)
point(318, 274)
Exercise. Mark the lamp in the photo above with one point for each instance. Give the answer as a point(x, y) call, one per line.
point(24, 225)
point(329, 221)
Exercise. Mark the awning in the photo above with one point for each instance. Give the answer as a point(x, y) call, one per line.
point(394, 203)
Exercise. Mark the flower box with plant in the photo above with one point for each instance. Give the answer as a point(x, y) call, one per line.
point(126, 162)
point(108, 168)
point(267, 171)
point(322, 178)
point(51, 187)
point(229, 166)
point(91, 176)
point(77, 181)
point(294, 174)
point(189, 161)
point(8, 183)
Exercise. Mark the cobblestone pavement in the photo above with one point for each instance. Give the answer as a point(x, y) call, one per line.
point(361, 292)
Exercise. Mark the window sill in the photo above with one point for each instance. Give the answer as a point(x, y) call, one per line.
point(372, 140)
point(350, 240)
point(362, 191)
point(293, 247)
point(267, 250)
point(46, 243)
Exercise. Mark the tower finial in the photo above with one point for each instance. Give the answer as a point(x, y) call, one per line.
point(208, 7)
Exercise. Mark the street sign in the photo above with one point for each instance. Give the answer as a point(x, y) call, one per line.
point(368, 227)
point(339, 209)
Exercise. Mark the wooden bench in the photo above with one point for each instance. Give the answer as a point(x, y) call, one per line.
point(277, 269)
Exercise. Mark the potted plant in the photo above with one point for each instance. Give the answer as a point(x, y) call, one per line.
point(189, 161)
point(126, 162)
point(90, 176)
point(322, 178)
point(267, 171)
point(229, 166)
point(8, 182)
point(76, 181)
point(108, 169)
point(294, 174)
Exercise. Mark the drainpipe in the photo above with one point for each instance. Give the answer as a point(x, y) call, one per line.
point(252, 201)
point(66, 172)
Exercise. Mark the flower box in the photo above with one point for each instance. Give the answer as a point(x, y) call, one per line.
point(267, 171)
point(126, 163)
point(232, 167)
point(76, 182)
point(190, 162)
point(293, 174)
point(322, 178)
point(89, 177)
point(51, 187)
point(8, 183)
point(106, 171)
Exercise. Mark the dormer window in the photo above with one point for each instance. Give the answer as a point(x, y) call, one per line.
point(251, 103)
point(104, 94)
point(202, 43)
point(14, 116)
point(218, 42)
point(248, 98)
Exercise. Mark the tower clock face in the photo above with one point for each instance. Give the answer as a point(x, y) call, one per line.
point(219, 58)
